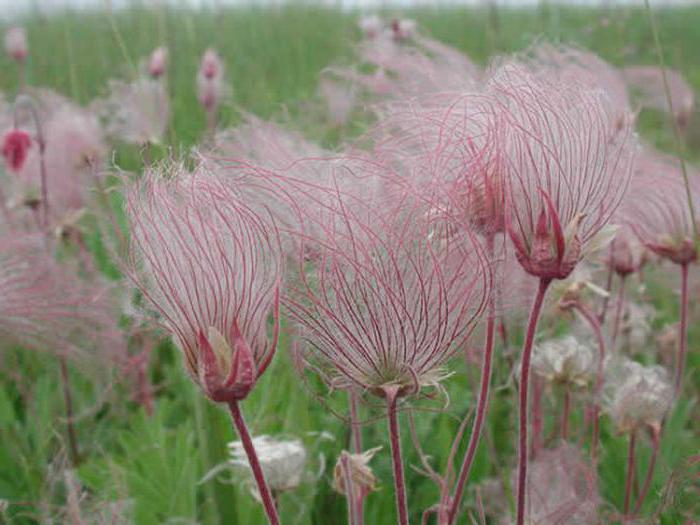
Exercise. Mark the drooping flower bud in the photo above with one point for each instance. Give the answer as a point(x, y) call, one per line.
point(158, 62)
point(16, 43)
point(15, 149)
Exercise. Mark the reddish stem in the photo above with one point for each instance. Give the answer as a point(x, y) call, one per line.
point(683, 330)
point(523, 405)
point(247, 441)
point(630, 472)
point(68, 401)
point(481, 409)
point(537, 416)
point(618, 310)
point(597, 331)
point(349, 490)
point(394, 434)
point(566, 410)
point(608, 287)
point(650, 472)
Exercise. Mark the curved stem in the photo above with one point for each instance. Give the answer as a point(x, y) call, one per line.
point(683, 330)
point(68, 401)
point(523, 404)
point(650, 472)
point(597, 331)
point(247, 442)
point(618, 310)
point(630, 472)
point(481, 409)
point(397, 462)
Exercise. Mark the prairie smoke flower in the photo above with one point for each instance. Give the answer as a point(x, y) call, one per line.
point(565, 361)
point(136, 112)
point(46, 308)
point(157, 62)
point(656, 209)
point(371, 26)
point(209, 266)
point(282, 461)
point(648, 83)
point(627, 255)
point(388, 303)
point(15, 148)
point(16, 43)
point(563, 488)
point(211, 85)
point(567, 168)
point(580, 67)
point(74, 154)
point(403, 29)
point(636, 396)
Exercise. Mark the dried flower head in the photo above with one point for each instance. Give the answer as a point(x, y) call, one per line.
point(565, 361)
point(282, 461)
point(371, 26)
point(567, 168)
point(636, 396)
point(158, 61)
point(355, 468)
point(210, 267)
point(16, 43)
point(46, 308)
point(563, 488)
point(136, 112)
point(211, 80)
point(656, 209)
point(15, 148)
point(636, 326)
point(648, 83)
point(387, 303)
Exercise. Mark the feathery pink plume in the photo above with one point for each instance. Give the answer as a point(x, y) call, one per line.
point(648, 83)
point(157, 62)
point(209, 265)
point(16, 43)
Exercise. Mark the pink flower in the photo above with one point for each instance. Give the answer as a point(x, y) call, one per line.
point(656, 208)
point(16, 43)
point(15, 148)
point(648, 83)
point(567, 168)
point(209, 266)
point(387, 303)
point(158, 62)
point(403, 29)
point(74, 154)
point(137, 112)
point(210, 80)
point(46, 308)
point(371, 26)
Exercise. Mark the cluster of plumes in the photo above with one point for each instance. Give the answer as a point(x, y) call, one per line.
point(210, 267)
point(657, 208)
point(636, 397)
point(284, 462)
point(16, 43)
point(45, 307)
point(566, 362)
point(653, 91)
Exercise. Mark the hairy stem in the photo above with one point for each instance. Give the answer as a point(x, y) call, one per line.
point(481, 409)
point(68, 401)
point(683, 330)
point(523, 401)
point(397, 462)
point(264, 491)
point(630, 472)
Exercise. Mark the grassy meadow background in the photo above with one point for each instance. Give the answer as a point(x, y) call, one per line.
point(158, 465)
